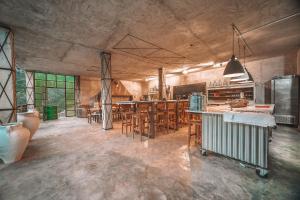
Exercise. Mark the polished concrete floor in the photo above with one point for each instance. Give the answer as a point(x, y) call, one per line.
point(71, 159)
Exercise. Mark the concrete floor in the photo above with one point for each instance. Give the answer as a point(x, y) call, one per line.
point(70, 159)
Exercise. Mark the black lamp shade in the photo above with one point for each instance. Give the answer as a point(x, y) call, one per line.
point(250, 80)
point(233, 68)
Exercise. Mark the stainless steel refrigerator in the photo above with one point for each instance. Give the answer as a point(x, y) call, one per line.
point(285, 93)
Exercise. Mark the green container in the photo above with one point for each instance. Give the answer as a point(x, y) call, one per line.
point(50, 112)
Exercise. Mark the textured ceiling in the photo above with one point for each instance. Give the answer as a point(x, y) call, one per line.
point(67, 36)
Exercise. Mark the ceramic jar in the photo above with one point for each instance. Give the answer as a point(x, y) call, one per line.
point(30, 120)
point(14, 139)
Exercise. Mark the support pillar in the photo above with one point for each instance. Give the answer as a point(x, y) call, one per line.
point(29, 89)
point(7, 76)
point(161, 84)
point(106, 98)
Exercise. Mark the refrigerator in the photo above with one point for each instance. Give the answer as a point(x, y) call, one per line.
point(285, 93)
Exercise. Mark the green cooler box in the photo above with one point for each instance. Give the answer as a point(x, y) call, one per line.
point(50, 113)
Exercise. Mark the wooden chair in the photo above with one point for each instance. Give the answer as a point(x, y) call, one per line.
point(89, 115)
point(184, 113)
point(194, 119)
point(95, 116)
point(141, 119)
point(171, 114)
point(126, 117)
point(161, 118)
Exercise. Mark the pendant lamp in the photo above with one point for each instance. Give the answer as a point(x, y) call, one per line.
point(247, 77)
point(234, 67)
point(250, 80)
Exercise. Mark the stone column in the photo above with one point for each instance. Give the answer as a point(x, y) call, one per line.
point(106, 90)
point(29, 89)
point(161, 84)
point(7, 76)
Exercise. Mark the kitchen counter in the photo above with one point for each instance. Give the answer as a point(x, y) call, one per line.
point(257, 108)
point(258, 115)
point(239, 133)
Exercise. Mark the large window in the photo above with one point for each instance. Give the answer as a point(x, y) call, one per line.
point(20, 87)
point(45, 81)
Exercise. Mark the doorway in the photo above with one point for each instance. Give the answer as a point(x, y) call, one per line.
point(56, 97)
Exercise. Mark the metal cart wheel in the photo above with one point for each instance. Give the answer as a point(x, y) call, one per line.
point(203, 152)
point(263, 173)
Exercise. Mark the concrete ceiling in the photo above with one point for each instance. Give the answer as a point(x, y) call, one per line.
point(67, 36)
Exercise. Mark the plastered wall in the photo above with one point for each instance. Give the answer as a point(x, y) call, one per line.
point(91, 86)
point(262, 70)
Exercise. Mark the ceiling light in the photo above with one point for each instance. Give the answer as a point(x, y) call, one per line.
point(244, 77)
point(150, 78)
point(247, 76)
point(234, 67)
point(205, 64)
point(193, 70)
point(250, 80)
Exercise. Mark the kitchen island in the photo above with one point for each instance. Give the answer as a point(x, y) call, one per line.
point(241, 134)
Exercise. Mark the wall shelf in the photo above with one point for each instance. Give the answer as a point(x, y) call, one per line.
point(223, 94)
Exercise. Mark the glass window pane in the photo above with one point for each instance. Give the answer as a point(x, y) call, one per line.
point(70, 107)
point(40, 76)
point(70, 79)
point(38, 96)
point(51, 84)
point(70, 96)
point(70, 113)
point(60, 84)
point(40, 83)
point(69, 85)
point(60, 77)
point(38, 103)
point(51, 77)
point(69, 102)
point(39, 89)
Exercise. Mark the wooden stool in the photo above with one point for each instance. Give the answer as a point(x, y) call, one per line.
point(171, 115)
point(161, 118)
point(126, 117)
point(185, 114)
point(196, 120)
point(182, 117)
point(140, 119)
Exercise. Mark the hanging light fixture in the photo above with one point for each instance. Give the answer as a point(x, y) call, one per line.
point(250, 80)
point(234, 67)
point(247, 76)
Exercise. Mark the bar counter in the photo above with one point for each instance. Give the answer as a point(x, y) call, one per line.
point(153, 111)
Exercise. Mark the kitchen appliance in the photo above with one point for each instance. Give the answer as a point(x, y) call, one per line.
point(285, 93)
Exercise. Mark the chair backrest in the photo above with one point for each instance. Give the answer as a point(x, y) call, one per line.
point(143, 106)
point(125, 107)
point(161, 106)
point(171, 105)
